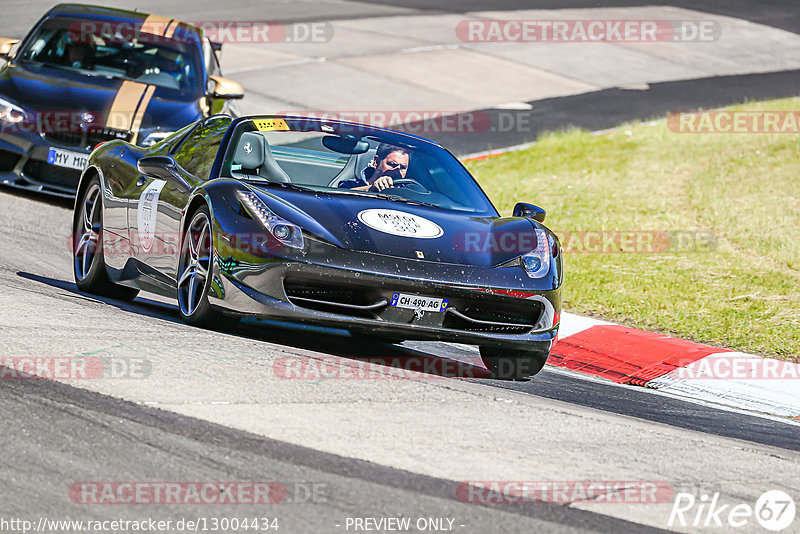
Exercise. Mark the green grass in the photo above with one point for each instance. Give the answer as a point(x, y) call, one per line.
point(742, 189)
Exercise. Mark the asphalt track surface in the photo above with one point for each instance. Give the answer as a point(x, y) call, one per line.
point(20, 14)
point(55, 434)
point(149, 444)
point(779, 13)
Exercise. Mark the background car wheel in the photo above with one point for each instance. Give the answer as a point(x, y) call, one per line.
point(88, 264)
point(512, 364)
point(194, 268)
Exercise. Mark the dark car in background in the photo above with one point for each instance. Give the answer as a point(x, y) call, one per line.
point(86, 75)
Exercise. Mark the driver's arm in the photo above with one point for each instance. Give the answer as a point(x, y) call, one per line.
point(384, 182)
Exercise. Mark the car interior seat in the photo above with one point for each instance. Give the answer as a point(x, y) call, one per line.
point(253, 158)
point(352, 171)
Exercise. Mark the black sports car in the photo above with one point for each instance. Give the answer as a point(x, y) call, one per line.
point(85, 75)
point(330, 223)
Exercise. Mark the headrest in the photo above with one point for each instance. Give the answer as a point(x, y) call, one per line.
point(251, 150)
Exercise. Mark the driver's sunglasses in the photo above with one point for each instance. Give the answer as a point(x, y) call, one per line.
point(393, 165)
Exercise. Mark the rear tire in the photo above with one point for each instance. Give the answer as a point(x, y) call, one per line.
point(512, 364)
point(88, 264)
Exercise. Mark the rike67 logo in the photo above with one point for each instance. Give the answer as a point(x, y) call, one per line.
point(774, 510)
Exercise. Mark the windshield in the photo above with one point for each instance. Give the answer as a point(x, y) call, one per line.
point(104, 49)
point(353, 162)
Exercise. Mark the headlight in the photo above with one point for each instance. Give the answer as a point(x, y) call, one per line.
point(537, 262)
point(287, 233)
point(11, 113)
point(155, 137)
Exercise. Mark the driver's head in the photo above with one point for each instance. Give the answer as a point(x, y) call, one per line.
point(79, 54)
point(391, 160)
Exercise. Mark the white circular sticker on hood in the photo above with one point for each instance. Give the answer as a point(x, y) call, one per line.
point(400, 223)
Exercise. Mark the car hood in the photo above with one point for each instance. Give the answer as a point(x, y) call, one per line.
point(48, 93)
point(405, 230)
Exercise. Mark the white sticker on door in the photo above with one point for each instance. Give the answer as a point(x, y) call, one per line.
point(147, 213)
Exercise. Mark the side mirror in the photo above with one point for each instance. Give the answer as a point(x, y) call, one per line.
point(163, 168)
point(6, 45)
point(225, 88)
point(529, 210)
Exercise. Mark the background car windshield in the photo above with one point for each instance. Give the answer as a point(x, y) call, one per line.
point(109, 50)
point(433, 176)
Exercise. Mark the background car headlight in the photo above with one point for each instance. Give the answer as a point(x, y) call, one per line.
point(11, 113)
point(155, 137)
point(287, 233)
point(537, 262)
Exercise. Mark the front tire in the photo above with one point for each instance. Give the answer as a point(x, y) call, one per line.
point(195, 268)
point(88, 263)
point(512, 364)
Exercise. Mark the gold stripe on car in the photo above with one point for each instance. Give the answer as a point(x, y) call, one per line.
point(155, 25)
point(125, 104)
point(137, 119)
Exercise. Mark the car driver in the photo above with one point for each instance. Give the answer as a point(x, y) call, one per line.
point(390, 164)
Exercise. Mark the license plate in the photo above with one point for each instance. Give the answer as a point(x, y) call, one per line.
point(413, 302)
point(67, 158)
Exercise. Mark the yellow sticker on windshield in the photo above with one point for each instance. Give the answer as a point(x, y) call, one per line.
point(269, 125)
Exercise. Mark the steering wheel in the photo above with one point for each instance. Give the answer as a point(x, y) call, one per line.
point(410, 184)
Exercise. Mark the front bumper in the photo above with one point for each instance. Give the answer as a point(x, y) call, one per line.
point(341, 297)
point(24, 161)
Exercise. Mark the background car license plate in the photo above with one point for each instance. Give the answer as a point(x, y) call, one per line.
point(67, 158)
point(413, 302)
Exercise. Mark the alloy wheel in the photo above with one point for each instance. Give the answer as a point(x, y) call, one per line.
point(195, 264)
point(88, 232)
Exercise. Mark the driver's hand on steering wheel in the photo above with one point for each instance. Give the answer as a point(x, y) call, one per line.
point(384, 182)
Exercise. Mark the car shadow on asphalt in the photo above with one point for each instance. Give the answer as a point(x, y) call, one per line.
point(342, 355)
